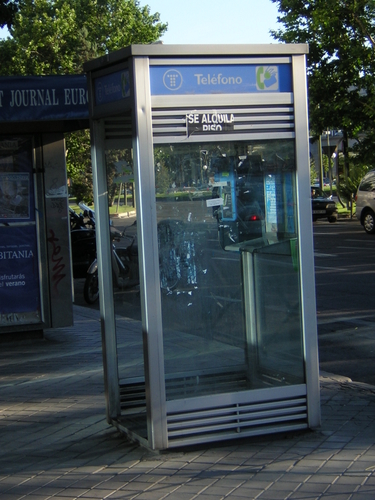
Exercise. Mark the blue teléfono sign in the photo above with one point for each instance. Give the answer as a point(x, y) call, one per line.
point(220, 79)
point(33, 98)
point(113, 87)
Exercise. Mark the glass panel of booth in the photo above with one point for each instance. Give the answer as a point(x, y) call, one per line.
point(19, 269)
point(228, 257)
point(228, 263)
point(124, 258)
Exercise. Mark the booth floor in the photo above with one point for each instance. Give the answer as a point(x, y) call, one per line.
point(55, 442)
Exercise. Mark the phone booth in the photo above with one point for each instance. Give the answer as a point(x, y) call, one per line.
point(219, 340)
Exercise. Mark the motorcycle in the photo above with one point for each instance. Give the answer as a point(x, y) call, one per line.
point(124, 267)
point(83, 243)
point(180, 255)
point(180, 260)
point(87, 214)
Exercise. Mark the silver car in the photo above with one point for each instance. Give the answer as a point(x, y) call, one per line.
point(365, 200)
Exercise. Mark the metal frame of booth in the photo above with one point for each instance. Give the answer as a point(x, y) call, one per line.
point(130, 108)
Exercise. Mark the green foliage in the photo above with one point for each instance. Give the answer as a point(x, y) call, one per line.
point(348, 187)
point(112, 157)
point(162, 170)
point(363, 149)
point(78, 164)
point(8, 9)
point(341, 60)
point(56, 37)
point(313, 171)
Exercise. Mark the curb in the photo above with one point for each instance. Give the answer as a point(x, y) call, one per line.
point(123, 215)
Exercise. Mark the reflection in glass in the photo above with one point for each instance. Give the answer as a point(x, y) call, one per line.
point(228, 266)
point(125, 278)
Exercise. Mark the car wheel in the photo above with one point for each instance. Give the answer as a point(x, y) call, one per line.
point(332, 219)
point(369, 222)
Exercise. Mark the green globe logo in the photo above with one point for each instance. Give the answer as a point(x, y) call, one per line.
point(267, 77)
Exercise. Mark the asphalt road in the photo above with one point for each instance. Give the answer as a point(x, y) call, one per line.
point(345, 282)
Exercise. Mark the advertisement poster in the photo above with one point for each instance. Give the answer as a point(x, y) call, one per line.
point(15, 196)
point(19, 278)
point(16, 180)
point(271, 206)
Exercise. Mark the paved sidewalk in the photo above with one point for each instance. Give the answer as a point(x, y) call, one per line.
point(56, 444)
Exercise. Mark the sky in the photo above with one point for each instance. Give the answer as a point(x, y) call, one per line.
point(214, 21)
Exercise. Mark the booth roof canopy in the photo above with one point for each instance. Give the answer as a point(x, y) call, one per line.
point(160, 50)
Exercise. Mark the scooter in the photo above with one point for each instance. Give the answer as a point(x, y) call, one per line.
point(125, 272)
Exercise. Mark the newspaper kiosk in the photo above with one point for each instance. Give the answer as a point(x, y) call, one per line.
point(216, 140)
point(35, 262)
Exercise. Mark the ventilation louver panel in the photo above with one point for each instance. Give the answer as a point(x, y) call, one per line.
point(236, 420)
point(265, 119)
point(248, 415)
point(118, 128)
point(133, 395)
